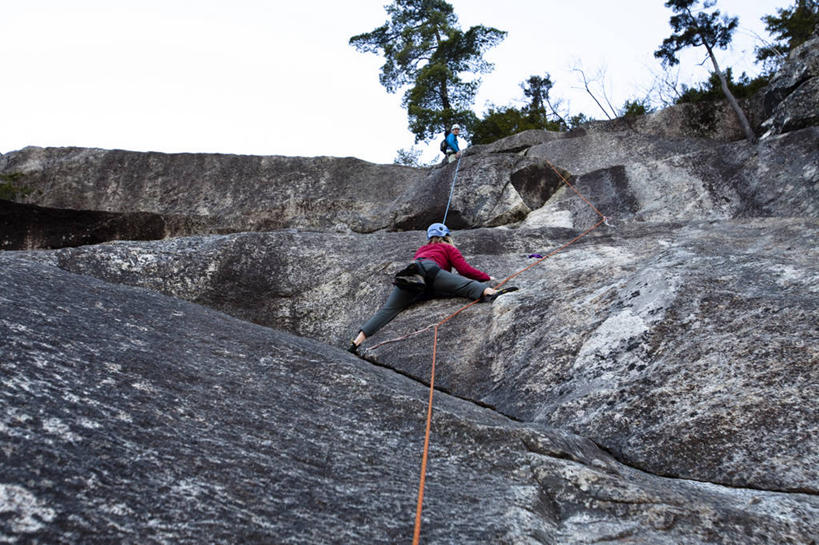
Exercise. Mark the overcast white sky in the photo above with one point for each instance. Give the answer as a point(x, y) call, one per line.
point(279, 78)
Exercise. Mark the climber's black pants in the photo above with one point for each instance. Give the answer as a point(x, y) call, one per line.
point(445, 284)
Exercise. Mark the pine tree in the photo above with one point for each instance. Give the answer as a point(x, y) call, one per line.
point(791, 26)
point(424, 50)
point(707, 29)
point(537, 90)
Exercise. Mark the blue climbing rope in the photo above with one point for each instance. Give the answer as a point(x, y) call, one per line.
point(452, 189)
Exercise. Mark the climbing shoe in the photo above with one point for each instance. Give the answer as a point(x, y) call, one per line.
point(353, 349)
point(500, 292)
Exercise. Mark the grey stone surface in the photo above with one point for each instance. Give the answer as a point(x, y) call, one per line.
point(230, 193)
point(238, 192)
point(643, 178)
point(715, 120)
point(610, 339)
point(32, 227)
point(685, 350)
point(490, 190)
point(520, 142)
point(131, 417)
point(791, 100)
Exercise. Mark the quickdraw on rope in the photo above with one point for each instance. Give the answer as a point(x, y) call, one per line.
point(451, 190)
point(436, 326)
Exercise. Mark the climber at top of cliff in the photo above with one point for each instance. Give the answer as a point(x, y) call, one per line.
point(452, 150)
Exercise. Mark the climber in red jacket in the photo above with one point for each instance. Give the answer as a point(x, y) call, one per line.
point(432, 269)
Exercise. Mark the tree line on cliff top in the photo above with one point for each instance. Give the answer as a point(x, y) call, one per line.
point(438, 66)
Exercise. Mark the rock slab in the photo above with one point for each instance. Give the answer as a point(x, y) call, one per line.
point(129, 416)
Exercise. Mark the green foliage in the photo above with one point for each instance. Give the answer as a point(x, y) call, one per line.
point(577, 121)
point(712, 89)
point(709, 30)
point(7, 191)
point(536, 89)
point(633, 108)
point(11, 176)
point(791, 27)
point(10, 188)
point(410, 157)
point(424, 50)
point(691, 30)
point(703, 120)
point(500, 122)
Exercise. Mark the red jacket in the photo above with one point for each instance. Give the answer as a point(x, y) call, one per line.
point(448, 256)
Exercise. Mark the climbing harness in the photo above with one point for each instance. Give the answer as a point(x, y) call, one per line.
point(436, 326)
point(451, 190)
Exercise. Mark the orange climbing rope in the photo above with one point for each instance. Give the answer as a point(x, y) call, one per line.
point(417, 532)
point(603, 219)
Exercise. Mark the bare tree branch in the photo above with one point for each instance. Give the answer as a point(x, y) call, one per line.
point(579, 69)
point(555, 112)
point(665, 88)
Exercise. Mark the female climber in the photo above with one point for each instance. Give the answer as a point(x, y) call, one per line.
point(433, 262)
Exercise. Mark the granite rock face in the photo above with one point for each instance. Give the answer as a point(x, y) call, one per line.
point(685, 350)
point(238, 193)
point(31, 227)
point(229, 193)
point(715, 120)
point(128, 416)
point(629, 337)
point(490, 190)
point(791, 100)
point(631, 177)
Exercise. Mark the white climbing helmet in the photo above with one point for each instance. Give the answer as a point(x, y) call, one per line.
point(437, 230)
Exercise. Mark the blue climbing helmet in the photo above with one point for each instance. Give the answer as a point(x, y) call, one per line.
point(437, 230)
